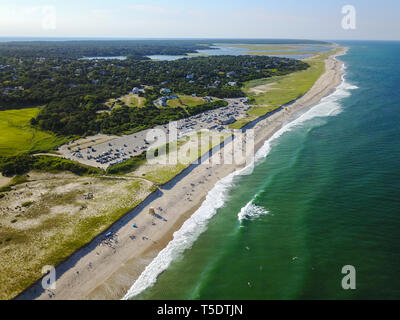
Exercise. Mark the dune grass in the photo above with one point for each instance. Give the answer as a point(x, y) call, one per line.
point(282, 89)
point(256, 47)
point(184, 152)
point(286, 88)
point(254, 113)
point(18, 136)
point(277, 53)
point(56, 221)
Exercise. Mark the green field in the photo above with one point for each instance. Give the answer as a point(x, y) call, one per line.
point(277, 53)
point(17, 136)
point(185, 101)
point(256, 47)
point(254, 113)
point(271, 93)
point(130, 100)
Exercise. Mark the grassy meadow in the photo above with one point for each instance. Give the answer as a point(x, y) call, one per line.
point(186, 151)
point(271, 93)
point(130, 100)
point(255, 47)
point(47, 217)
point(17, 136)
point(286, 53)
point(185, 101)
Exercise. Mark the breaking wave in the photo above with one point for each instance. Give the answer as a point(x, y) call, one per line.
point(251, 211)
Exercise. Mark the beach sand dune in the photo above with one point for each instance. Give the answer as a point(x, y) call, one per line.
point(4, 180)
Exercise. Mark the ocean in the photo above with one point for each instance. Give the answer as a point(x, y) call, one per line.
point(324, 194)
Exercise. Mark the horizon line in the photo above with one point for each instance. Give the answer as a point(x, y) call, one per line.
point(183, 38)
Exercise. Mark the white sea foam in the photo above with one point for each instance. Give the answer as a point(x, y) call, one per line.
point(185, 236)
point(251, 212)
point(189, 232)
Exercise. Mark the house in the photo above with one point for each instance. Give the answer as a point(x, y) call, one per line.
point(161, 102)
point(190, 76)
point(208, 98)
point(231, 74)
point(165, 91)
point(232, 83)
point(194, 95)
point(135, 90)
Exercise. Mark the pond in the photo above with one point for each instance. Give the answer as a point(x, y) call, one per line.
point(236, 51)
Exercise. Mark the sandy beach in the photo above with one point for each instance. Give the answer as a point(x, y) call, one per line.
point(99, 271)
point(4, 180)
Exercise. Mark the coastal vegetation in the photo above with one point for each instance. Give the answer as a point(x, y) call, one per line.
point(186, 101)
point(129, 100)
point(181, 155)
point(24, 163)
point(52, 217)
point(133, 49)
point(257, 47)
point(128, 165)
point(18, 136)
point(74, 91)
point(281, 90)
point(286, 53)
point(270, 93)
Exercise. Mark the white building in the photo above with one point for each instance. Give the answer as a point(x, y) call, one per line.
point(135, 90)
point(165, 91)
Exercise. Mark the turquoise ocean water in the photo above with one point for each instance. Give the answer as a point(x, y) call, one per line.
point(325, 193)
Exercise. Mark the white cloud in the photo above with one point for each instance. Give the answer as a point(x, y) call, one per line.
point(25, 20)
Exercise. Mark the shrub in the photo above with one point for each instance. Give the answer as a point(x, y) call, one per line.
point(127, 166)
point(27, 204)
point(24, 163)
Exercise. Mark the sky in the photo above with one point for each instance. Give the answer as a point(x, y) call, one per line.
point(294, 19)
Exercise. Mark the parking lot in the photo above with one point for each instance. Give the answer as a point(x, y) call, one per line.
point(117, 149)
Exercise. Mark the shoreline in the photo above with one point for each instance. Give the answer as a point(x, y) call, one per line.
point(96, 272)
